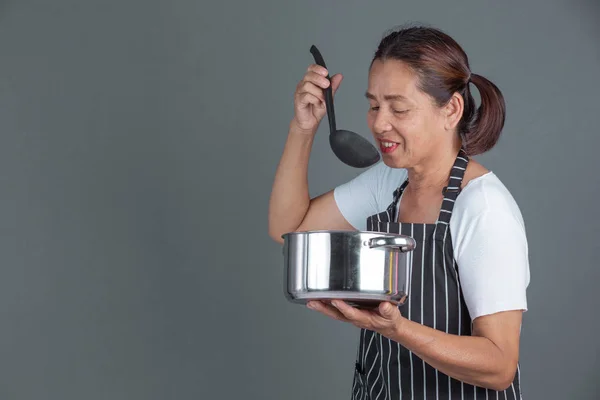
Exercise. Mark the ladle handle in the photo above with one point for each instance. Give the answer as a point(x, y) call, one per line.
point(328, 91)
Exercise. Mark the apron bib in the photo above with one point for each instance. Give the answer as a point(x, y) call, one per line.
point(386, 370)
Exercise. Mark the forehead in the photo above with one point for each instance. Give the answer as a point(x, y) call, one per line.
point(392, 77)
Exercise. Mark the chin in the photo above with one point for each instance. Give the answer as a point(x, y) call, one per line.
point(394, 162)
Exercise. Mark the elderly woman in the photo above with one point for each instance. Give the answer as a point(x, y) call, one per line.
point(457, 335)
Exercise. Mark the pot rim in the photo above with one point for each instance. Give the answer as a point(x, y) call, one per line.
point(342, 231)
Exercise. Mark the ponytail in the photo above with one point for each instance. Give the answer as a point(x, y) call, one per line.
point(482, 127)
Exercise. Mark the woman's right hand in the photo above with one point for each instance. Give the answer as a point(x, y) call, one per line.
point(309, 98)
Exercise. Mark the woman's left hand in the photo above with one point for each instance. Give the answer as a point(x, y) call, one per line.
point(385, 319)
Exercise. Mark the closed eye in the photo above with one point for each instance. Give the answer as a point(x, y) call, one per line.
point(375, 108)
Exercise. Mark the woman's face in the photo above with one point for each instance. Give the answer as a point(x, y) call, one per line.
point(406, 124)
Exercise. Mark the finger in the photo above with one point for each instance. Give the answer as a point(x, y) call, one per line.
point(336, 80)
point(309, 98)
point(348, 311)
point(308, 87)
point(316, 79)
point(387, 310)
point(326, 309)
point(317, 69)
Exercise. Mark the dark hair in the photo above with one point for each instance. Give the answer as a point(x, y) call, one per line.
point(442, 68)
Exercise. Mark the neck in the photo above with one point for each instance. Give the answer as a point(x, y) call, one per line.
point(432, 173)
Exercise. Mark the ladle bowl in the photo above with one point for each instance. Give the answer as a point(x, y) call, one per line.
point(349, 147)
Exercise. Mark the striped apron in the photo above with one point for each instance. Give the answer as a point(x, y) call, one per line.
point(386, 370)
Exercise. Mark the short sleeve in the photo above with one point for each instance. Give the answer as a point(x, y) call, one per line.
point(357, 199)
point(493, 264)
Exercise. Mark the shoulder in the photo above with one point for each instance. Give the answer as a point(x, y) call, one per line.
point(490, 247)
point(486, 194)
point(368, 193)
point(485, 207)
point(379, 182)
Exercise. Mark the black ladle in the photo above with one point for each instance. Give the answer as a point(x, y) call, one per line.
point(351, 148)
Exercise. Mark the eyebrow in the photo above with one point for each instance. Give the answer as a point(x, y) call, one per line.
point(389, 97)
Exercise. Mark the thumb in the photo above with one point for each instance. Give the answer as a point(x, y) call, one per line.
point(335, 82)
point(386, 310)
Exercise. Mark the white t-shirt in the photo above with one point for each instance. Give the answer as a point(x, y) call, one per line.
point(488, 234)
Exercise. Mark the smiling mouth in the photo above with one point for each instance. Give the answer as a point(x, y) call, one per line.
point(387, 147)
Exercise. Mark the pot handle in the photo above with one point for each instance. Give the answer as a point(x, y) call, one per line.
point(402, 243)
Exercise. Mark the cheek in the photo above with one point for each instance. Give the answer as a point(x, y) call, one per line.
point(415, 134)
point(434, 122)
point(411, 131)
point(370, 120)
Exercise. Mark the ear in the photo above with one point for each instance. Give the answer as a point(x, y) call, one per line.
point(453, 111)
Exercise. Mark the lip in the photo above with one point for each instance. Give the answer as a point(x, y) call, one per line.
point(385, 149)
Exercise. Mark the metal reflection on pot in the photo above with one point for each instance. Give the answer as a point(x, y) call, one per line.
point(362, 268)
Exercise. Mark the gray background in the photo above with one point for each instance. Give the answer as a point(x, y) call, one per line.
point(139, 140)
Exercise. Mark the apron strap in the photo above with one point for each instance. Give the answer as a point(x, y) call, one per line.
point(451, 192)
point(393, 207)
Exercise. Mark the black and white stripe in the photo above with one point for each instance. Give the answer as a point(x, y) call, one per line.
point(384, 369)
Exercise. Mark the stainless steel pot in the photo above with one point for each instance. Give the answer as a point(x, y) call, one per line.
point(362, 268)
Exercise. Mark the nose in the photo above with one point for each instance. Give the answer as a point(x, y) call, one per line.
point(381, 122)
